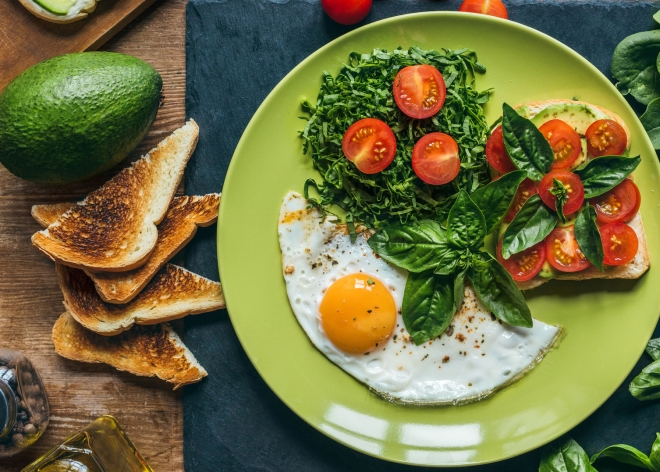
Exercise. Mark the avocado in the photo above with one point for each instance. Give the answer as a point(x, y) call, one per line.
point(578, 115)
point(58, 7)
point(77, 115)
point(547, 271)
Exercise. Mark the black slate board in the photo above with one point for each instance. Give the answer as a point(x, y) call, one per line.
point(237, 51)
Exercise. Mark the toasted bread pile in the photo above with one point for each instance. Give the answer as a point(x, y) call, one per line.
point(111, 252)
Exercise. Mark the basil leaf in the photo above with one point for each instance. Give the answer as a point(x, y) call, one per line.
point(626, 455)
point(495, 198)
point(561, 196)
point(416, 247)
point(653, 348)
point(656, 16)
point(651, 121)
point(654, 457)
point(569, 457)
point(466, 225)
point(531, 225)
point(525, 144)
point(459, 289)
point(634, 66)
point(428, 305)
point(588, 238)
point(604, 173)
point(646, 386)
point(497, 290)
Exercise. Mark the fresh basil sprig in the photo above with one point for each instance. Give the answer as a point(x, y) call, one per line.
point(653, 349)
point(530, 226)
point(566, 457)
point(495, 198)
point(560, 192)
point(588, 238)
point(428, 305)
point(646, 386)
point(626, 455)
point(604, 173)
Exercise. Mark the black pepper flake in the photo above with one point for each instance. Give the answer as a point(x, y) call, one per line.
point(492, 317)
point(470, 384)
point(354, 319)
point(368, 311)
point(366, 353)
point(425, 357)
point(394, 337)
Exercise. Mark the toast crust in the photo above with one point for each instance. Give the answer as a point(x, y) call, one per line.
point(179, 226)
point(149, 351)
point(114, 228)
point(173, 293)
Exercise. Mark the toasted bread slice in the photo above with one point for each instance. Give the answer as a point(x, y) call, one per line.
point(78, 11)
point(114, 228)
point(150, 351)
point(174, 232)
point(173, 293)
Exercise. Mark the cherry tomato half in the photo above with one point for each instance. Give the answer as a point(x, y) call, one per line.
point(525, 190)
point(563, 251)
point(620, 243)
point(564, 141)
point(486, 7)
point(524, 265)
point(496, 152)
point(419, 91)
point(573, 185)
point(619, 204)
point(370, 144)
point(346, 12)
point(435, 159)
point(606, 138)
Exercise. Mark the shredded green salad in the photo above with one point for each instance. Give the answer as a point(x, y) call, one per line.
point(363, 89)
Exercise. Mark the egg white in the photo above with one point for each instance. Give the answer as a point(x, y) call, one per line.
point(476, 356)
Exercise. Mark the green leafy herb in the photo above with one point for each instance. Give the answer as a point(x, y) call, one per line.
point(634, 66)
point(560, 192)
point(588, 238)
point(653, 349)
point(603, 174)
point(651, 121)
point(654, 457)
point(428, 305)
point(530, 226)
point(567, 457)
point(466, 225)
point(370, 281)
point(626, 455)
point(646, 386)
point(495, 198)
point(459, 289)
point(525, 144)
point(363, 89)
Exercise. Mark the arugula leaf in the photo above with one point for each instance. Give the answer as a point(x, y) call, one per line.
point(653, 349)
point(497, 290)
point(626, 455)
point(646, 386)
point(588, 238)
point(495, 198)
point(568, 457)
point(428, 305)
point(531, 225)
point(466, 225)
point(416, 248)
point(651, 121)
point(459, 289)
point(603, 174)
point(561, 196)
point(654, 457)
point(527, 147)
point(634, 66)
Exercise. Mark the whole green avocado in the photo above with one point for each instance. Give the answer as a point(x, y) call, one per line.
point(77, 115)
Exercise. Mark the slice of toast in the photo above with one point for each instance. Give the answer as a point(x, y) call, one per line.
point(150, 351)
point(114, 228)
point(174, 232)
point(173, 293)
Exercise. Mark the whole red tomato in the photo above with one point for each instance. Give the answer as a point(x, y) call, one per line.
point(347, 12)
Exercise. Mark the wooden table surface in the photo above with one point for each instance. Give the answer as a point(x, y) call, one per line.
point(30, 299)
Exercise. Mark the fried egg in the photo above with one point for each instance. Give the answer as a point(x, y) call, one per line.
point(348, 302)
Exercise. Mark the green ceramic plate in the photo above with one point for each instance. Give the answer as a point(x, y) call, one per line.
point(608, 322)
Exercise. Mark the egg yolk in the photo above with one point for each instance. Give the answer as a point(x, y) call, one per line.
point(358, 313)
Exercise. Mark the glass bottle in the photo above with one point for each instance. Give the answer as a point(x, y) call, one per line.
point(101, 447)
point(24, 411)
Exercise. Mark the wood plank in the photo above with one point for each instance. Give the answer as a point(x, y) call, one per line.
point(30, 299)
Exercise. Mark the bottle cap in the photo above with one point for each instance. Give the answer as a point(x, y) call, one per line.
point(7, 409)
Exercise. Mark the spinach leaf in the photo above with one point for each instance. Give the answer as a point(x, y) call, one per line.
point(646, 386)
point(626, 455)
point(495, 198)
point(603, 174)
point(428, 305)
point(466, 225)
point(561, 196)
point(497, 290)
point(416, 247)
point(654, 457)
point(634, 66)
point(653, 348)
point(527, 147)
point(588, 238)
point(459, 289)
point(531, 225)
point(651, 122)
point(568, 457)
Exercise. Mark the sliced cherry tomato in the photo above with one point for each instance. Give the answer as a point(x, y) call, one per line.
point(486, 7)
point(620, 243)
point(346, 12)
point(496, 152)
point(606, 138)
point(563, 251)
point(435, 159)
point(573, 185)
point(619, 204)
point(419, 91)
point(525, 190)
point(370, 144)
point(524, 265)
point(564, 141)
